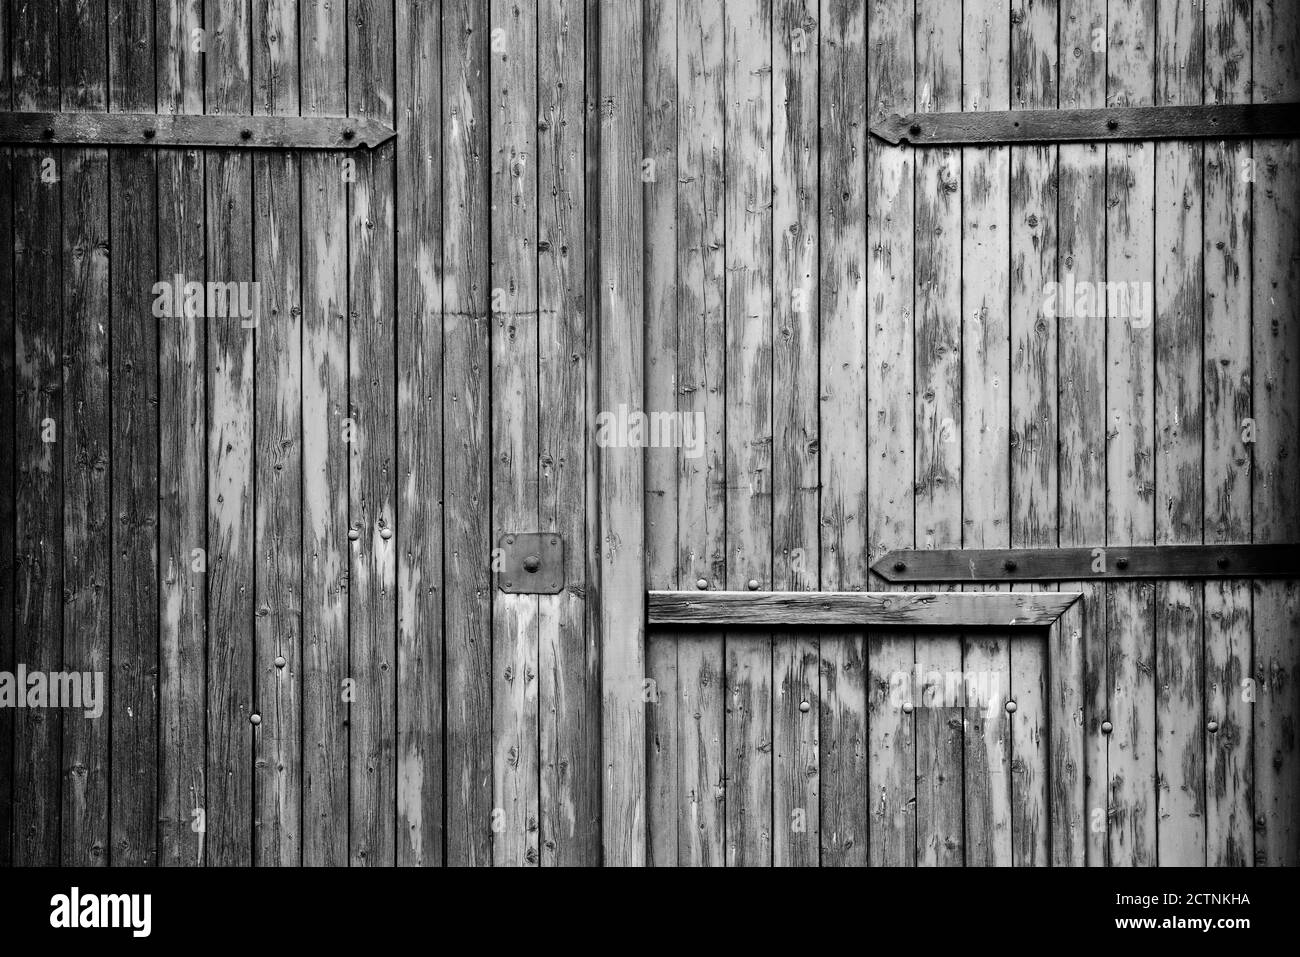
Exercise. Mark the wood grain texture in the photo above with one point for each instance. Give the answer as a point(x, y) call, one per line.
point(1003, 610)
point(8, 467)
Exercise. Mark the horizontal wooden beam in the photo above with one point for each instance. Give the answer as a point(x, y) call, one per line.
point(1083, 564)
point(759, 609)
point(1077, 126)
point(225, 132)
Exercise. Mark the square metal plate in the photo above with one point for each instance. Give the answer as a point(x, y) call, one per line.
point(532, 563)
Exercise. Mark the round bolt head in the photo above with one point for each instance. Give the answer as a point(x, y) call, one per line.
point(280, 661)
point(532, 563)
point(1212, 726)
point(900, 566)
point(1223, 561)
point(753, 584)
point(1011, 707)
point(1122, 563)
point(1107, 727)
point(353, 534)
point(914, 129)
point(1009, 565)
point(510, 539)
point(804, 706)
point(255, 718)
point(385, 533)
point(701, 583)
point(907, 707)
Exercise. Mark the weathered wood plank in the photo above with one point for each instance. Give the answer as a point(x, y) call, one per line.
point(516, 458)
point(420, 643)
point(1130, 467)
point(748, 197)
point(150, 130)
point(8, 467)
point(182, 462)
point(938, 418)
point(795, 405)
point(663, 806)
point(1179, 677)
point(1275, 477)
point(891, 752)
point(568, 657)
point(1228, 622)
point(757, 609)
point(230, 545)
point(39, 427)
point(467, 548)
point(87, 464)
point(620, 480)
point(842, 437)
point(277, 462)
point(1079, 810)
point(372, 391)
point(1163, 122)
point(325, 414)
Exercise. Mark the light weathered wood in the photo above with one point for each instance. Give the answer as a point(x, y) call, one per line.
point(1130, 472)
point(1275, 477)
point(87, 462)
point(1179, 677)
point(891, 754)
point(8, 463)
point(1081, 459)
point(467, 517)
point(420, 642)
point(515, 455)
point(1162, 122)
point(230, 433)
point(146, 129)
point(182, 463)
point(372, 392)
point(1229, 823)
point(277, 463)
point(843, 430)
point(325, 411)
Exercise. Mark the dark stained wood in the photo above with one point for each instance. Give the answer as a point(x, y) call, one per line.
point(1010, 610)
point(1274, 121)
point(227, 132)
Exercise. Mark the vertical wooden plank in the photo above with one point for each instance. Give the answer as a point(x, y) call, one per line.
point(372, 391)
point(938, 430)
point(1275, 476)
point(1078, 747)
point(87, 606)
point(1130, 474)
point(277, 463)
point(230, 563)
point(1229, 824)
point(1033, 438)
point(182, 459)
point(9, 468)
point(515, 457)
point(569, 758)
point(796, 41)
point(39, 427)
point(842, 288)
point(325, 411)
point(748, 205)
point(701, 349)
point(466, 295)
point(986, 418)
point(663, 747)
point(620, 478)
point(891, 512)
point(1179, 677)
point(420, 644)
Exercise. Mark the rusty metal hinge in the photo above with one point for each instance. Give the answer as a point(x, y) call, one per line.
point(532, 563)
point(217, 132)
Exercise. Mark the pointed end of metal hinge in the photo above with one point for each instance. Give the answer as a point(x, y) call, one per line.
point(891, 566)
point(372, 133)
point(892, 129)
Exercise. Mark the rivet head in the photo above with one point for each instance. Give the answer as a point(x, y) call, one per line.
point(353, 534)
point(1112, 124)
point(385, 533)
point(1107, 727)
point(1011, 707)
point(1009, 565)
point(150, 134)
point(1212, 726)
point(907, 707)
point(753, 584)
point(915, 129)
point(48, 132)
point(255, 719)
point(900, 566)
point(804, 706)
point(1122, 563)
point(510, 539)
point(532, 563)
point(1223, 561)
point(701, 583)
point(348, 134)
point(245, 134)
point(280, 661)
